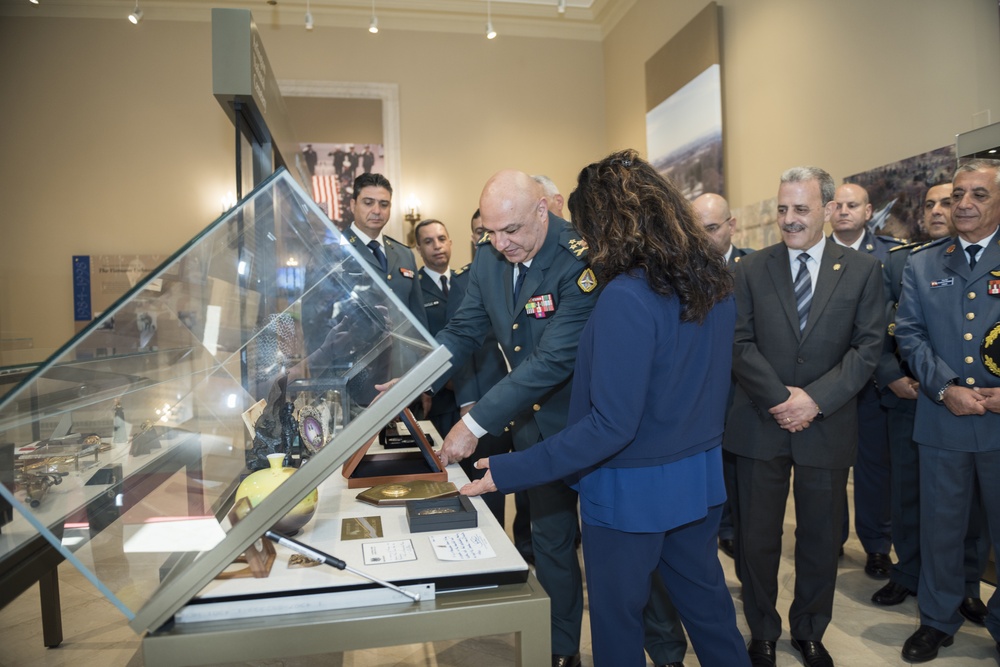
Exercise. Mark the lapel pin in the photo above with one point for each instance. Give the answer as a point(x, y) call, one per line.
point(836, 267)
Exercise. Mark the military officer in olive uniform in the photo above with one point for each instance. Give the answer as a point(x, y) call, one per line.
point(947, 329)
point(531, 286)
point(371, 204)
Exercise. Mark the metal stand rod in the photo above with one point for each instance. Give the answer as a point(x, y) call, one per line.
point(332, 561)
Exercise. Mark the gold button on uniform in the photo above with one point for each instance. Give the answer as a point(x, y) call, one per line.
point(536, 407)
point(967, 336)
point(515, 326)
point(972, 295)
point(970, 316)
point(970, 380)
point(517, 348)
point(968, 360)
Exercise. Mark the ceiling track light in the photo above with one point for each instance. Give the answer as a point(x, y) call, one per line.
point(309, 17)
point(561, 6)
point(34, 2)
point(373, 24)
point(136, 14)
point(490, 32)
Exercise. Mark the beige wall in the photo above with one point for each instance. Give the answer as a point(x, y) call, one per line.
point(113, 143)
point(846, 85)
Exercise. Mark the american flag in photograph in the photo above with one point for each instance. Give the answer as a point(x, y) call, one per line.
point(325, 192)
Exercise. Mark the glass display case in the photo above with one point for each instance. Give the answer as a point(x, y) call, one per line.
point(123, 450)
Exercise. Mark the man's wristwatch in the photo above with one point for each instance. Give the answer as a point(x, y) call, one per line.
point(940, 394)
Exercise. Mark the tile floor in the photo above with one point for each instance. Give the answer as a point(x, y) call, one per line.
point(861, 635)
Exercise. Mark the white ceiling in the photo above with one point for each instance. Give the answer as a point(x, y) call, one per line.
point(582, 19)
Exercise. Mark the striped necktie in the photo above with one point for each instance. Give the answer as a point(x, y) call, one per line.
point(803, 290)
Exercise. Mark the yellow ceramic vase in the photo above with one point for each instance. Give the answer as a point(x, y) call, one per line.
point(260, 484)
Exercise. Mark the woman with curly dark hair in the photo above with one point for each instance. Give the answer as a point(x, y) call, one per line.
point(643, 440)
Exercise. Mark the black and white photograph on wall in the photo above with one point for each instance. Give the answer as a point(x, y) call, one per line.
point(333, 168)
point(684, 135)
point(896, 191)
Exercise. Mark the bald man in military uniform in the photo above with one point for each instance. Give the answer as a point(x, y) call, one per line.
point(872, 476)
point(530, 285)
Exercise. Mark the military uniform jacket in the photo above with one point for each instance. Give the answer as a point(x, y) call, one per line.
point(945, 312)
point(560, 291)
point(875, 245)
point(737, 256)
point(402, 274)
point(890, 367)
point(487, 366)
point(831, 360)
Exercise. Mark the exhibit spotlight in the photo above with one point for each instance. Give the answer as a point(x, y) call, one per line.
point(373, 24)
point(136, 14)
point(309, 17)
point(490, 32)
point(561, 7)
point(34, 2)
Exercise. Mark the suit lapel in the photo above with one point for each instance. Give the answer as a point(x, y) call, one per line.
point(781, 276)
point(988, 261)
point(830, 270)
point(429, 285)
point(956, 261)
point(542, 260)
point(364, 251)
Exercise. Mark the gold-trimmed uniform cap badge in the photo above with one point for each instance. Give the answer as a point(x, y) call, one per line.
point(587, 282)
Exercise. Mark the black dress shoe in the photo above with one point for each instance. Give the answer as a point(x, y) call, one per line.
point(727, 547)
point(973, 610)
point(814, 654)
point(878, 566)
point(891, 594)
point(761, 653)
point(923, 644)
point(566, 660)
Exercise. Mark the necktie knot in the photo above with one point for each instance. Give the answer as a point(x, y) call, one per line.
point(973, 250)
point(376, 249)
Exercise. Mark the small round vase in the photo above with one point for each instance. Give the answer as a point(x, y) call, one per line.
point(260, 484)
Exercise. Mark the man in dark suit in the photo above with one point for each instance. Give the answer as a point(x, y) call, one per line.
point(715, 215)
point(810, 320)
point(531, 286)
point(900, 401)
point(947, 328)
point(872, 515)
point(371, 204)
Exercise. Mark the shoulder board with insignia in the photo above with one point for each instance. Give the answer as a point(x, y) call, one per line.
point(931, 244)
point(389, 238)
point(890, 239)
point(906, 246)
point(462, 270)
point(576, 245)
point(485, 238)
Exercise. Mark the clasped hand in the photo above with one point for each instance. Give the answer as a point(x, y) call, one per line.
point(797, 412)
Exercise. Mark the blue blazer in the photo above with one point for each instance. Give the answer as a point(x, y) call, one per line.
point(648, 389)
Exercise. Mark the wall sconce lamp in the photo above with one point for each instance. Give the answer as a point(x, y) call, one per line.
point(412, 208)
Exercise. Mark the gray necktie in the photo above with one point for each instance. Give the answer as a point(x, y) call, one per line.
point(803, 290)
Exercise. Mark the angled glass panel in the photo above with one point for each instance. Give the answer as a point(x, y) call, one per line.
point(124, 450)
